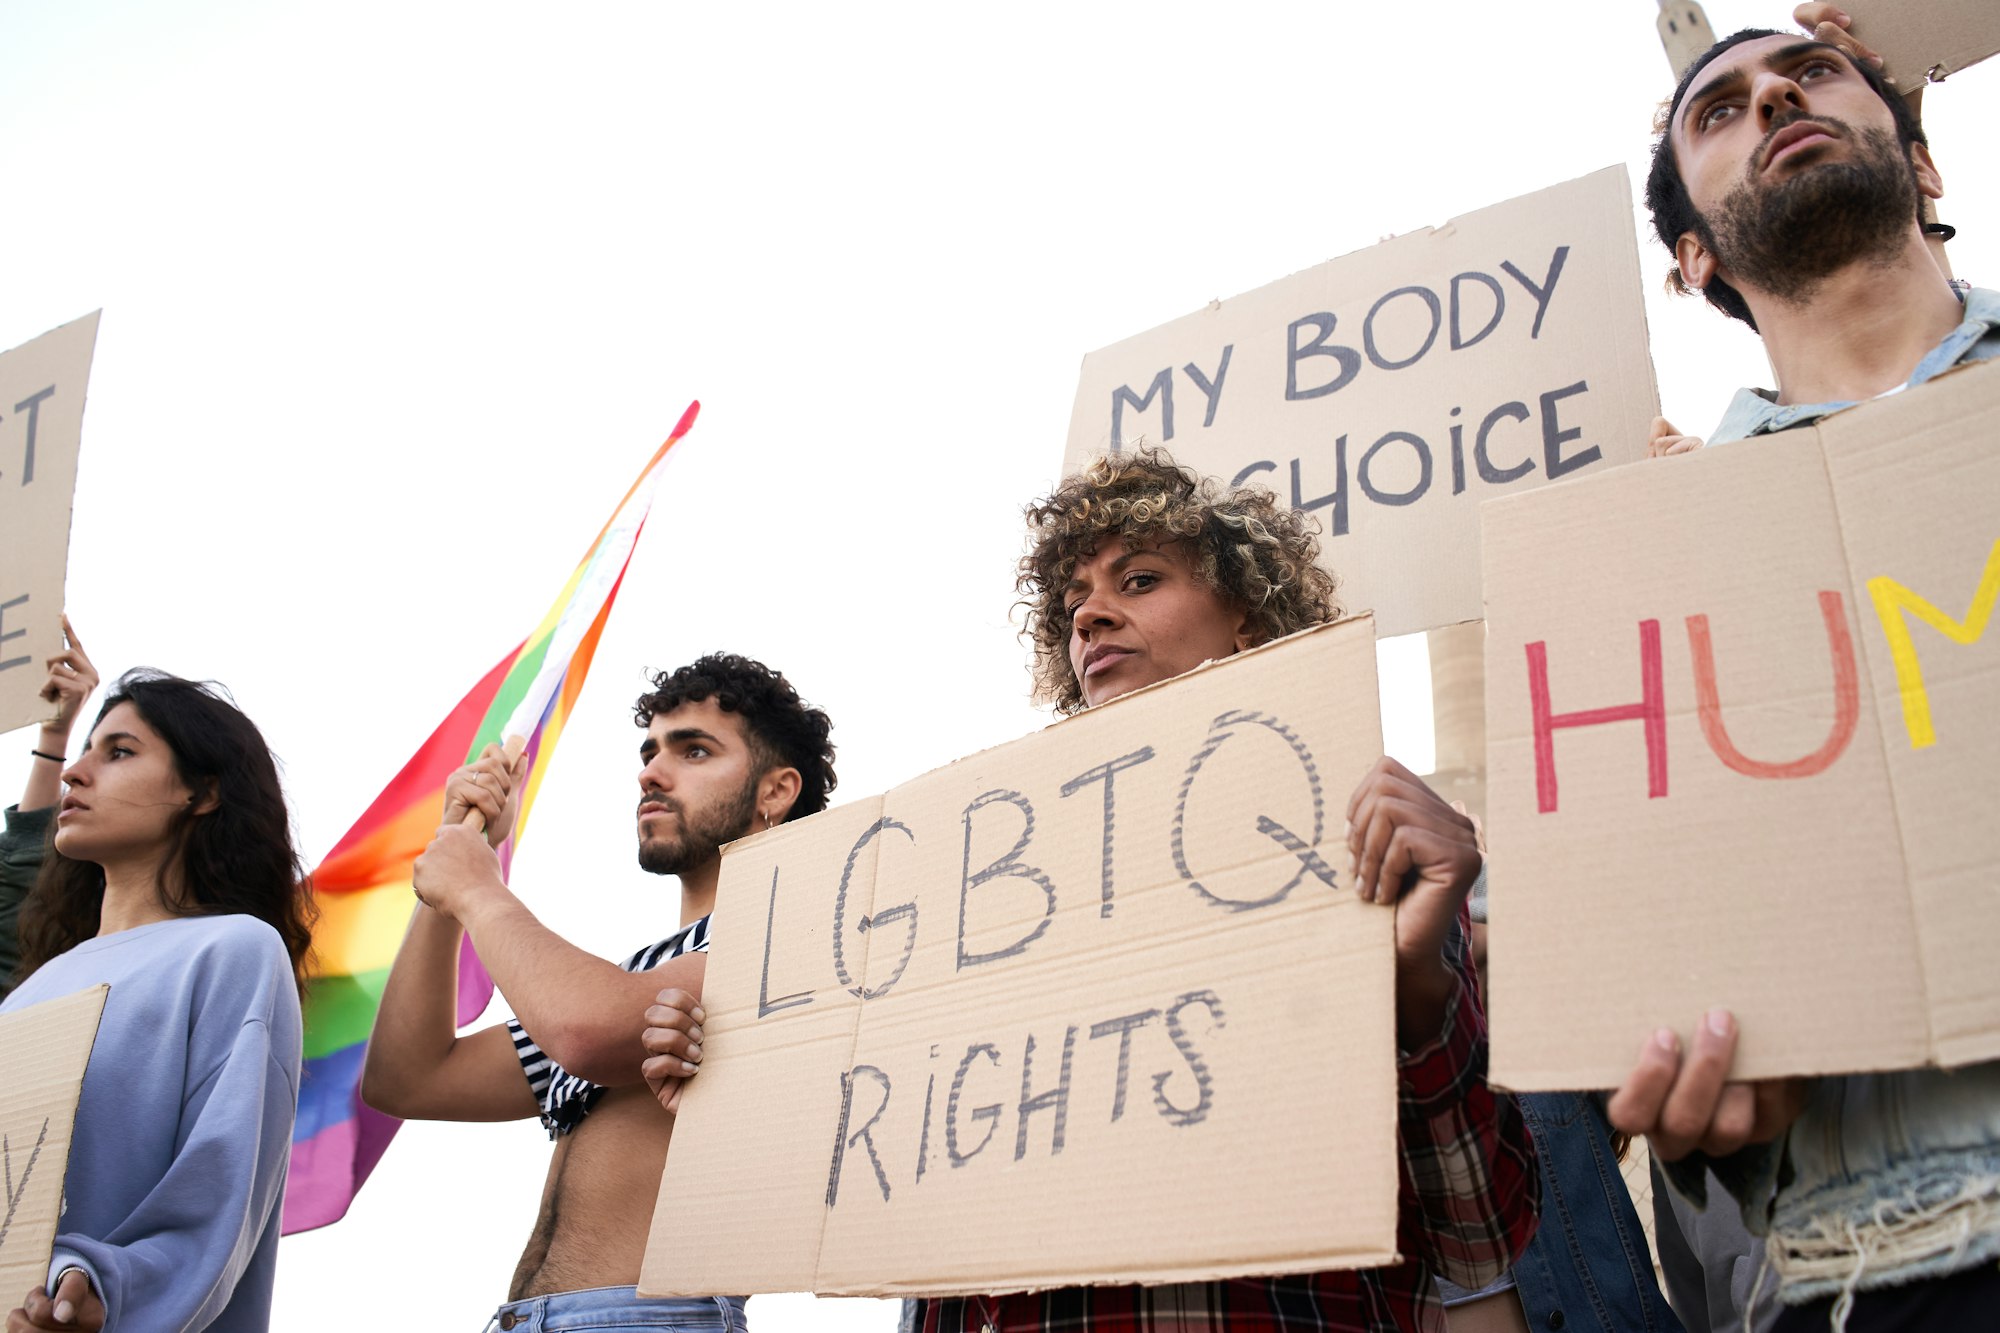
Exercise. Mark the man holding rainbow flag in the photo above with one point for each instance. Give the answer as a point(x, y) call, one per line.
point(729, 749)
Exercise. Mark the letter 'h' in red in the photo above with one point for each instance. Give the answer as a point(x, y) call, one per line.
point(1651, 710)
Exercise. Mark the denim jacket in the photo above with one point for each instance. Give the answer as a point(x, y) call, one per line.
point(1884, 1178)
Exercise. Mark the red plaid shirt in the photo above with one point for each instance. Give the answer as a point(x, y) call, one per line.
point(1469, 1200)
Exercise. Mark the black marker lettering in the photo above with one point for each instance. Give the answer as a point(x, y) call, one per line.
point(1543, 292)
point(1458, 343)
point(1554, 437)
point(1368, 327)
point(1457, 455)
point(842, 1141)
point(1161, 388)
point(1210, 391)
point(1124, 1026)
point(33, 407)
point(1057, 1097)
point(1346, 358)
point(1007, 867)
point(1220, 731)
point(1204, 1081)
point(1105, 773)
point(1337, 497)
point(1484, 461)
point(907, 911)
point(990, 1113)
point(1410, 496)
point(6, 634)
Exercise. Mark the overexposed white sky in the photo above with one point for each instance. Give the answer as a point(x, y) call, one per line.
point(398, 298)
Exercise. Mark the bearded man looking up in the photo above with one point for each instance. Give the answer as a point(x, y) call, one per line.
point(1787, 180)
point(729, 749)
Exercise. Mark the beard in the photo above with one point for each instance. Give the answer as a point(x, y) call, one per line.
point(701, 835)
point(1787, 238)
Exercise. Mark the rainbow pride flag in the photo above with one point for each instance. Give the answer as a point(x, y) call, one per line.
point(363, 885)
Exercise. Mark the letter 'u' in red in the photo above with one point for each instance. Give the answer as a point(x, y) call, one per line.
point(1846, 698)
point(1651, 710)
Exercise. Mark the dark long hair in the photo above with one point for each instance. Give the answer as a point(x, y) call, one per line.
point(236, 857)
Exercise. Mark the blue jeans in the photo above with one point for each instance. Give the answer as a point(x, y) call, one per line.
point(1588, 1267)
point(607, 1309)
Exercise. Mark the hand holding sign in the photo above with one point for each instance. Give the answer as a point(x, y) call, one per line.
point(1412, 849)
point(1829, 24)
point(673, 1045)
point(73, 1308)
point(1685, 1106)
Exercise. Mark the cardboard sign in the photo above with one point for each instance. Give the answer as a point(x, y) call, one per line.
point(1090, 1007)
point(41, 430)
point(1916, 37)
point(1742, 708)
point(1392, 390)
point(46, 1046)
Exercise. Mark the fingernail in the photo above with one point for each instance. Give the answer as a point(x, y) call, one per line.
point(1667, 1040)
point(64, 1312)
point(687, 1067)
point(694, 1050)
point(698, 1015)
point(1720, 1023)
point(694, 1033)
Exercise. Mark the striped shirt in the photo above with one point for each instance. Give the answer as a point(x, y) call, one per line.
point(566, 1099)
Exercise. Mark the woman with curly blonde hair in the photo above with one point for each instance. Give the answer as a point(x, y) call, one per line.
point(1137, 570)
point(1256, 557)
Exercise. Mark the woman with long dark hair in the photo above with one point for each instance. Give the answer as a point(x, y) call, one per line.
point(171, 876)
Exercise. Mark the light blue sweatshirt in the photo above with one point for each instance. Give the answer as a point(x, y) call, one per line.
point(176, 1174)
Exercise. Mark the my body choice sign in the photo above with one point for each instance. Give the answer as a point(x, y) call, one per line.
point(1392, 390)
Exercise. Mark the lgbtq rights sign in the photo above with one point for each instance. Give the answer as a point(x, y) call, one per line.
point(1093, 1006)
point(1391, 390)
point(1742, 713)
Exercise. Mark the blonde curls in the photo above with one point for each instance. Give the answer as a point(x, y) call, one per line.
point(1256, 554)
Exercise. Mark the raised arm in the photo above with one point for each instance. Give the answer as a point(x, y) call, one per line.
point(417, 1066)
point(71, 681)
point(588, 1015)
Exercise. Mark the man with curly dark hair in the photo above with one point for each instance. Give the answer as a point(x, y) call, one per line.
point(729, 749)
point(1138, 570)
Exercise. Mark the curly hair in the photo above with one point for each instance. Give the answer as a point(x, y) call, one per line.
point(1667, 197)
point(1256, 553)
point(237, 855)
point(782, 728)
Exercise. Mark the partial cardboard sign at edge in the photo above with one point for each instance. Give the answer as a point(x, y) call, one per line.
point(1917, 36)
point(1012, 1025)
point(42, 387)
point(1741, 709)
point(47, 1048)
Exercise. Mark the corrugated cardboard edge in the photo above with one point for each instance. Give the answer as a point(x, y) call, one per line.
point(1963, 1050)
point(1403, 240)
point(1361, 617)
point(50, 1013)
point(89, 360)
